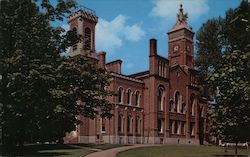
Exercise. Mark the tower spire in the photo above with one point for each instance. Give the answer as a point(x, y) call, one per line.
point(182, 18)
point(181, 21)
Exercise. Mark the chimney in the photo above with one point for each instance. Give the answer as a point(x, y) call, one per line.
point(102, 59)
point(114, 66)
point(153, 47)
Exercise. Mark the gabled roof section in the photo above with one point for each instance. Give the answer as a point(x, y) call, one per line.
point(177, 66)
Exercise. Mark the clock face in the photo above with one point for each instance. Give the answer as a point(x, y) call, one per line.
point(176, 48)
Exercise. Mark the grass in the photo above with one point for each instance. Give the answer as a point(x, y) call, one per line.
point(183, 151)
point(55, 150)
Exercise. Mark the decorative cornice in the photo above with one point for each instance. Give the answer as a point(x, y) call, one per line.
point(127, 78)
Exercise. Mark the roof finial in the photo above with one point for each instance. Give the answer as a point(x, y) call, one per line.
point(182, 18)
point(181, 9)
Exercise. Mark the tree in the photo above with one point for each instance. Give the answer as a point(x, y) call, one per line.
point(231, 120)
point(218, 36)
point(223, 58)
point(228, 74)
point(40, 89)
point(209, 50)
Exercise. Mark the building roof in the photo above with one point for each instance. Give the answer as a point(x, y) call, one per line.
point(139, 74)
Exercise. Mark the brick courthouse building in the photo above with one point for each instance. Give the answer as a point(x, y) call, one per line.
point(160, 105)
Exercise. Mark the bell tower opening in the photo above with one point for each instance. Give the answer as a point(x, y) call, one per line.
point(180, 44)
point(84, 21)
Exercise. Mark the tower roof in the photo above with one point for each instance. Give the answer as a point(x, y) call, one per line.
point(85, 13)
point(181, 21)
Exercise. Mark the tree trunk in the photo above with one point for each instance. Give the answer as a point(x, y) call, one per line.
point(20, 147)
point(236, 149)
point(21, 142)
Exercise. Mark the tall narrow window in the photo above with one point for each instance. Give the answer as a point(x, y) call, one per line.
point(103, 125)
point(120, 95)
point(183, 109)
point(192, 128)
point(120, 123)
point(177, 102)
point(137, 98)
point(160, 125)
point(160, 99)
point(74, 47)
point(87, 39)
point(129, 96)
point(192, 103)
point(138, 125)
point(171, 106)
point(175, 127)
point(129, 124)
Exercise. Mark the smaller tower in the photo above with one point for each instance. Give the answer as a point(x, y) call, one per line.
point(84, 22)
point(180, 46)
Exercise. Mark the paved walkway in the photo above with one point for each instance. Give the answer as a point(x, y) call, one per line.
point(112, 152)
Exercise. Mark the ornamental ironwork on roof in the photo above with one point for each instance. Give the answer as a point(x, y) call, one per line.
point(181, 21)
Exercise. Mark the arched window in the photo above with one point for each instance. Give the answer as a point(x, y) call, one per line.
point(192, 104)
point(87, 39)
point(129, 124)
point(103, 125)
point(138, 125)
point(160, 98)
point(177, 102)
point(120, 123)
point(160, 124)
point(74, 47)
point(120, 95)
point(192, 128)
point(129, 96)
point(137, 98)
point(171, 106)
point(183, 108)
point(175, 127)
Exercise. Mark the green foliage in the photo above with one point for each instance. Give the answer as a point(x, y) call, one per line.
point(41, 90)
point(219, 36)
point(231, 119)
point(223, 58)
point(181, 151)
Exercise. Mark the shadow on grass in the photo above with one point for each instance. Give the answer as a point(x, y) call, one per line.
point(217, 155)
point(40, 150)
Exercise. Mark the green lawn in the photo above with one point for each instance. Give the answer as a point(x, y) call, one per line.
point(62, 150)
point(183, 151)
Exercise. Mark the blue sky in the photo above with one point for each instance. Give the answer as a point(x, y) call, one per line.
point(125, 26)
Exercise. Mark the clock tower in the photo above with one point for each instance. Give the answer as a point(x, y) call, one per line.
point(180, 45)
point(83, 21)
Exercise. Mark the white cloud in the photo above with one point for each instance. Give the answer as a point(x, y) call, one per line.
point(110, 35)
point(168, 8)
point(129, 65)
point(133, 33)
